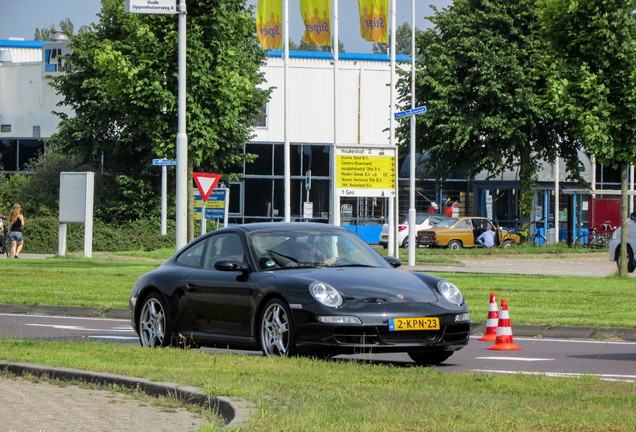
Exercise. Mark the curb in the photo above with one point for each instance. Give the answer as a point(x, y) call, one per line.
point(235, 413)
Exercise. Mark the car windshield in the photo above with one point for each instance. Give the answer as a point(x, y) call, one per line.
point(447, 223)
point(294, 248)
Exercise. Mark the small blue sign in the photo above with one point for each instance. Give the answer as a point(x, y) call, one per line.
point(163, 162)
point(411, 112)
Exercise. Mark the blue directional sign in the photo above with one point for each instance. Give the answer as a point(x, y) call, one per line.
point(164, 162)
point(408, 113)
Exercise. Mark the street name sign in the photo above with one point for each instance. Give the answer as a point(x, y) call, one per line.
point(365, 171)
point(411, 112)
point(161, 7)
point(162, 162)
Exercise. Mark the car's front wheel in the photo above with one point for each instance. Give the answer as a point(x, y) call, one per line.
point(454, 245)
point(631, 265)
point(429, 358)
point(154, 324)
point(277, 330)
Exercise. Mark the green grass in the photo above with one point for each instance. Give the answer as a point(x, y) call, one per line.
point(302, 394)
point(106, 283)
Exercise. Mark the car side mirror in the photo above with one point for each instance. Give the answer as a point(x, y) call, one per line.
point(230, 264)
point(395, 262)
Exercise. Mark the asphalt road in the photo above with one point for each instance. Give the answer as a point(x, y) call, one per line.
point(614, 360)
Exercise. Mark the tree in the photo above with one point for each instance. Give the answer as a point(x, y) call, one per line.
point(593, 85)
point(402, 41)
point(123, 88)
point(66, 27)
point(481, 75)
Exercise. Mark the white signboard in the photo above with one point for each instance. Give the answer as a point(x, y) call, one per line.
point(365, 171)
point(151, 6)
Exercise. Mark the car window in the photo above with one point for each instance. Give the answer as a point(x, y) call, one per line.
point(447, 223)
point(465, 224)
point(226, 245)
point(191, 257)
point(278, 249)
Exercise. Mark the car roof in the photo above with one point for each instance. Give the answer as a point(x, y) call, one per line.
point(260, 226)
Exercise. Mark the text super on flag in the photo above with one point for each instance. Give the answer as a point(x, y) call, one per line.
point(269, 27)
point(316, 15)
point(373, 21)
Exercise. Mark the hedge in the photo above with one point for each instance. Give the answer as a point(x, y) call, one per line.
point(41, 236)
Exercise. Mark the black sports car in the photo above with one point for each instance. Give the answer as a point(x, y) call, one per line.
point(290, 288)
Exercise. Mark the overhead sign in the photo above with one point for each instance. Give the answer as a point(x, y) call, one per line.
point(411, 112)
point(162, 162)
point(151, 6)
point(365, 172)
point(205, 183)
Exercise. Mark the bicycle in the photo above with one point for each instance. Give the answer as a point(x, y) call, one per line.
point(594, 240)
point(5, 243)
point(536, 239)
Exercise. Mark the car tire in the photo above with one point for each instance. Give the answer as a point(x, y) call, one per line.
point(276, 330)
point(508, 243)
point(405, 243)
point(631, 265)
point(154, 323)
point(429, 358)
point(454, 245)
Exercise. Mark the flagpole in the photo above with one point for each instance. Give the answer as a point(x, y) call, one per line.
point(412, 211)
point(393, 215)
point(334, 46)
point(287, 178)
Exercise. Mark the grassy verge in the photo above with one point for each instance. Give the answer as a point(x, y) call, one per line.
point(301, 394)
point(547, 300)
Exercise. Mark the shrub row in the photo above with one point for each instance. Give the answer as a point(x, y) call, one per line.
point(41, 236)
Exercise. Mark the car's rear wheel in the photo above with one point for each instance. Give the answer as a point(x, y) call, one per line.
point(429, 358)
point(277, 330)
point(454, 245)
point(154, 326)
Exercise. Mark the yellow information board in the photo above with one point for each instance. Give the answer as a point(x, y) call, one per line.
point(365, 171)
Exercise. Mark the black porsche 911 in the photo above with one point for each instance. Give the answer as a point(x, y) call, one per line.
point(297, 288)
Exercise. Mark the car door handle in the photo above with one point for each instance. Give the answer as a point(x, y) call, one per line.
point(191, 287)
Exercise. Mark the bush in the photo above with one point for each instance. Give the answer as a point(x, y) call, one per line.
point(41, 236)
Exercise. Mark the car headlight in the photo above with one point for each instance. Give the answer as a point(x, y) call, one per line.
point(450, 292)
point(325, 294)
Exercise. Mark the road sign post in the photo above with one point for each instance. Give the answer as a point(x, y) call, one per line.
point(205, 183)
point(164, 164)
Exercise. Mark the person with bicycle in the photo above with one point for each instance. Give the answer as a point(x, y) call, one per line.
point(16, 222)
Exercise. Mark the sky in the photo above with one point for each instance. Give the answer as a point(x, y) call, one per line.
point(20, 18)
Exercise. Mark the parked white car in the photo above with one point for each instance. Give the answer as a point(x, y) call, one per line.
point(615, 243)
point(423, 221)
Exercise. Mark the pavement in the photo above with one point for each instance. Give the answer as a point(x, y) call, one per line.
point(27, 405)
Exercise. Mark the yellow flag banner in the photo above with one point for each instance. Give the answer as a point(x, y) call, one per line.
point(269, 27)
point(373, 22)
point(316, 15)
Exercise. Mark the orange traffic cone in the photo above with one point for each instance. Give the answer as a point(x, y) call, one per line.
point(504, 331)
point(493, 320)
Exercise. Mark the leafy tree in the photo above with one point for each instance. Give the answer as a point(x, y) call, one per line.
point(66, 26)
point(593, 85)
point(123, 89)
point(481, 75)
point(402, 41)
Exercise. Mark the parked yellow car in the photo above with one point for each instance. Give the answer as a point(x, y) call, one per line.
point(457, 233)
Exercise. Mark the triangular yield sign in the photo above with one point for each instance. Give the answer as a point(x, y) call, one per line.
point(206, 183)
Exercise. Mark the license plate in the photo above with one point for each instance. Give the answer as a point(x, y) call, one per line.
point(426, 238)
point(428, 323)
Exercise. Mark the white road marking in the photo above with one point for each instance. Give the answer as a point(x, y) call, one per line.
point(524, 359)
point(79, 328)
point(112, 337)
point(604, 377)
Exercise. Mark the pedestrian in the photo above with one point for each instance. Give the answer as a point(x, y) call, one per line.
point(487, 238)
point(16, 222)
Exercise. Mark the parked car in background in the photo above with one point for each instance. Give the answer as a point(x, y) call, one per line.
point(462, 232)
point(615, 245)
point(422, 220)
point(297, 288)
